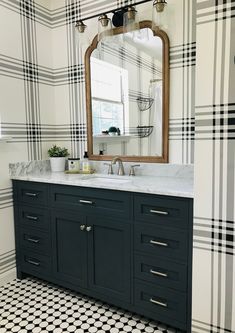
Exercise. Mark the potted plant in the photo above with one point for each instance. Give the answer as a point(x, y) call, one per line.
point(57, 158)
point(113, 130)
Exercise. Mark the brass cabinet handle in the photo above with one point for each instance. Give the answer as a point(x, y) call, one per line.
point(88, 229)
point(32, 262)
point(86, 202)
point(159, 212)
point(82, 227)
point(30, 217)
point(33, 240)
point(158, 273)
point(30, 194)
point(158, 243)
point(165, 305)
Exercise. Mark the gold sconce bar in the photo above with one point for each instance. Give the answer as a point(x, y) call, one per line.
point(104, 20)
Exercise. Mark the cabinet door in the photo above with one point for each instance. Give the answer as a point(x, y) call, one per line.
point(69, 244)
point(109, 257)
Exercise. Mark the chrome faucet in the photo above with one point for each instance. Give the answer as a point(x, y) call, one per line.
point(120, 171)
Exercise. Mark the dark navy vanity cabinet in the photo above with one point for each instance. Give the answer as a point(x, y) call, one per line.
point(131, 250)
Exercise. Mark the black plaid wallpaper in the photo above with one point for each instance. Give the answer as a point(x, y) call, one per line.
point(213, 284)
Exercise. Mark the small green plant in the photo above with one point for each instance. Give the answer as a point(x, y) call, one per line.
point(56, 151)
point(113, 129)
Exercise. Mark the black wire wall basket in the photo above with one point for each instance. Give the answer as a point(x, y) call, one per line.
point(144, 103)
point(139, 131)
point(144, 131)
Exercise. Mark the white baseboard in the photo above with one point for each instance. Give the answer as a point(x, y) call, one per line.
point(7, 277)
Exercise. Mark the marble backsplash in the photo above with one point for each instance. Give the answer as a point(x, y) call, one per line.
point(146, 169)
point(153, 169)
point(27, 168)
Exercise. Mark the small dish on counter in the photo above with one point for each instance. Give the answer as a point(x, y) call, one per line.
point(80, 172)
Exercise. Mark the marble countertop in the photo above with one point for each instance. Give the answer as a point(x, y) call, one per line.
point(171, 186)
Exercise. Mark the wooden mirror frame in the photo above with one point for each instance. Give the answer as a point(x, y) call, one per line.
point(165, 105)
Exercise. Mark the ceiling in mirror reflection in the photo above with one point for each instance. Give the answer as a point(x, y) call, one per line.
point(145, 41)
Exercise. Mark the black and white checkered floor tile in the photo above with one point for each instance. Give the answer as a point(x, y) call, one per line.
point(37, 307)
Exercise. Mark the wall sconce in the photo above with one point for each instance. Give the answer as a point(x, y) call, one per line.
point(80, 27)
point(126, 16)
point(82, 40)
point(130, 20)
point(104, 27)
point(159, 13)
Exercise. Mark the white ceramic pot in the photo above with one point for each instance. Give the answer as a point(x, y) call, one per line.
point(57, 164)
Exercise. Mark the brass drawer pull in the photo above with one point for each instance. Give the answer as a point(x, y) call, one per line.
point(160, 212)
point(30, 217)
point(165, 305)
point(30, 194)
point(158, 273)
point(32, 262)
point(33, 240)
point(86, 202)
point(158, 243)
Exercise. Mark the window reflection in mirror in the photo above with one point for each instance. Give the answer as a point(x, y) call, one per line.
point(109, 85)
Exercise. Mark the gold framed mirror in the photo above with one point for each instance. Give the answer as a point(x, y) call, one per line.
point(127, 95)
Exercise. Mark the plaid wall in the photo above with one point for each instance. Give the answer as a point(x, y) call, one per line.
point(214, 260)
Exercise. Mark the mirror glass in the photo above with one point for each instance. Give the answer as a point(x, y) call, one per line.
point(126, 86)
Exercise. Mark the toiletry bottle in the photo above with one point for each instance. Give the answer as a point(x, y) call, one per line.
point(86, 165)
point(74, 164)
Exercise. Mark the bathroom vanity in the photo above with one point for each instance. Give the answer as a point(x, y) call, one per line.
point(126, 247)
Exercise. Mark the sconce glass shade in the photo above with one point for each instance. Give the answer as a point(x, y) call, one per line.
point(130, 20)
point(80, 26)
point(82, 40)
point(159, 14)
point(104, 27)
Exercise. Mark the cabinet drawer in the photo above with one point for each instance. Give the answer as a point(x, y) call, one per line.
point(34, 217)
point(169, 243)
point(91, 201)
point(35, 240)
point(161, 302)
point(34, 263)
point(32, 193)
point(165, 212)
point(165, 273)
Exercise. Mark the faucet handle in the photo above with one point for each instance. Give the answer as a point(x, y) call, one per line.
point(132, 169)
point(110, 170)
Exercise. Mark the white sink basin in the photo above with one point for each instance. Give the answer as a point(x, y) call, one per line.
point(107, 180)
